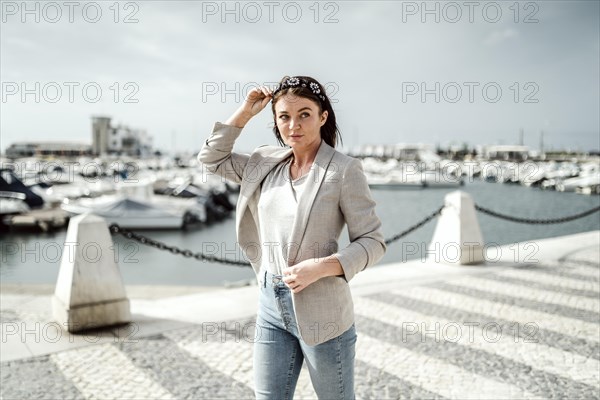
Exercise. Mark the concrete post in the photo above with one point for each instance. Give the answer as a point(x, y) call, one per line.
point(89, 291)
point(457, 238)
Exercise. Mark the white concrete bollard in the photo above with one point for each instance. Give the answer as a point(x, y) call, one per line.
point(457, 238)
point(89, 291)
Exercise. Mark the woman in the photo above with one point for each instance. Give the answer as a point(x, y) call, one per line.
point(292, 206)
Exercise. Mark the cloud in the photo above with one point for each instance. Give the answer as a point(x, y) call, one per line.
point(500, 36)
point(172, 54)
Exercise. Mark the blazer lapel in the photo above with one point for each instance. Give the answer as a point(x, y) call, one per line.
point(315, 178)
point(254, 174)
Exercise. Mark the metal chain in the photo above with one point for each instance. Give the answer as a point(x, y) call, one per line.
point(115, 229)
point(415, 226)
point(537, 221)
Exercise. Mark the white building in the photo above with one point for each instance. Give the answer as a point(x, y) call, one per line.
point(399, 151)
point(505, 152)
point(119, 139)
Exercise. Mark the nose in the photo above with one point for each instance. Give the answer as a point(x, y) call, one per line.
point(294, 123)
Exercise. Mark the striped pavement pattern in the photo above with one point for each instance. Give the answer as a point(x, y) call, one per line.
point(541, 275)
point(581, 329)
point(99, 372)
point(415, 342)
point(519, 353)
point(585, 273)
point(525, 332)
point(523, 291)
point(434, 374)
point(550, 307)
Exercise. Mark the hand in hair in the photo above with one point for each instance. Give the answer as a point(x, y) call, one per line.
point(256, 100)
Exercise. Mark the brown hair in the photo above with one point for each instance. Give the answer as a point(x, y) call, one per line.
point(304, 86)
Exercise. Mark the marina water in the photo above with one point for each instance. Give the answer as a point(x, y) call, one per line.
point(28, 258)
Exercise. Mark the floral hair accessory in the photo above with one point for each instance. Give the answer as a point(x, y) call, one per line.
point(295, 82)
point(292, 81)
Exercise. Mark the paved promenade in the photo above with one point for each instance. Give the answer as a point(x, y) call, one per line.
point(524, 326)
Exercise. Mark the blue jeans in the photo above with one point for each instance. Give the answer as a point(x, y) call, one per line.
point(279, 351)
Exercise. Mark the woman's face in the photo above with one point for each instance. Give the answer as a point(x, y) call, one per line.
point(299, 121)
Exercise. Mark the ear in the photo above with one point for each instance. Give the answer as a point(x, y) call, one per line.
point(324, 117)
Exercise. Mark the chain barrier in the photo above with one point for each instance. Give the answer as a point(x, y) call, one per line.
point(415, 226)
point(536, 221)
point(115, 229)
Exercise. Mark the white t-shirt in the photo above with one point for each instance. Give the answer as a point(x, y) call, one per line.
point(277, 208)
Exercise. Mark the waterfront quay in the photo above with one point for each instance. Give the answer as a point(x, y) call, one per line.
point(511, 328)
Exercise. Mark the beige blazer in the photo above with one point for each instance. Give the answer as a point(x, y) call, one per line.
point(336, 194)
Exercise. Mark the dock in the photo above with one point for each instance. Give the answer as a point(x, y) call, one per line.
point(45, 220)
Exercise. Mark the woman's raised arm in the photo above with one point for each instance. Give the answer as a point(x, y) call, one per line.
point(216, 153)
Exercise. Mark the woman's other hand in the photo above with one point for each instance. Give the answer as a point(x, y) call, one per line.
point(299, 276)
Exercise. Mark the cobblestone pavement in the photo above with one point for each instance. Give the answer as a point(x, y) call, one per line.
point(515, 333)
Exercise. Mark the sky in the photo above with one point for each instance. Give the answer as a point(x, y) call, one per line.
point(441, 73)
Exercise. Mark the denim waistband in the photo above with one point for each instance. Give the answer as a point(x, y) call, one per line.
point(268, 278)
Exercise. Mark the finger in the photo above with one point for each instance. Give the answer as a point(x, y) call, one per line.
point(259, 92)
point(264, 101)
point(253, 95)
point(264, 91)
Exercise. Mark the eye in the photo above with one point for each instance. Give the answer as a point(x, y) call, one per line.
point(305, 115)
point(283, 117)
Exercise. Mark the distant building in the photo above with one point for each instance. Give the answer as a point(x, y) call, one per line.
point(100, 135)
point(119, 139)
point(400, 151)
point(506, 152)
point(106, 139)
point(48, 148)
